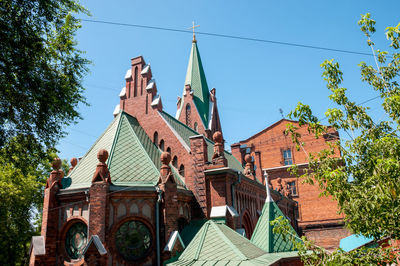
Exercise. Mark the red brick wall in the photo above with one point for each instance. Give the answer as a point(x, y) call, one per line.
point(267, 149)
point(272, 141)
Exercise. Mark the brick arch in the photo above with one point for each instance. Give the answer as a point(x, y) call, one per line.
point(63, 233)
point(114, 229)
point(247, 223)
point(162, 144)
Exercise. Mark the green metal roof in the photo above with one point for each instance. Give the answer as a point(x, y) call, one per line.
point(197, 79)
point(186, 132)
point(133, 161)
point(217, 244)
point(190, 230)
point(264, 237)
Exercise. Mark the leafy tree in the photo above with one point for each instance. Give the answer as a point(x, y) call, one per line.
point(41, 73)
point(365, 181)
point(40, 69)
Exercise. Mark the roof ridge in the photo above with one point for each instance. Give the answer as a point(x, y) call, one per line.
point(114, 141)
point(141, 145)
point(201, 242)
point(227, 241)
point(180, 122)
point(267, 128)
point(265, 238)
point(94, 144)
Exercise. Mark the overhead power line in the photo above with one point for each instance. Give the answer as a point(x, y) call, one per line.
point(227, 36)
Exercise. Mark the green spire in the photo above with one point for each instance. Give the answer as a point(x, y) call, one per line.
point(264, 237)
point(196, 78)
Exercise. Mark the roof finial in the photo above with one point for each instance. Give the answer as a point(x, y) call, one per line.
point(194, 35)
point(268, 198)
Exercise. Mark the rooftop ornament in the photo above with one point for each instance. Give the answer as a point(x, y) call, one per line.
point(102, 174)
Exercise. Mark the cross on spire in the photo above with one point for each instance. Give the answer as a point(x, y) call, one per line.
point(193, 27)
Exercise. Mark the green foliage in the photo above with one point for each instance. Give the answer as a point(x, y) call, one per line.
point(41, 73)
point(22, 178)
point(365, 181)
point(312, 254)
point(40, 69)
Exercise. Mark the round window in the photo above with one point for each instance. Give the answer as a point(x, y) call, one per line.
point(76, 240)
point(133, 240)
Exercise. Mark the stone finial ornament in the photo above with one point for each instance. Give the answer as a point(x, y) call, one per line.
point(165, 171)
point(218, 145)
point(102, 155)
point(56, 164)
point(165, 158)
point(280, 186)
point(248, 169)
point(102, 174)
point(56, 175)
point(287, 190)
point(73, 162)
point(218, 158)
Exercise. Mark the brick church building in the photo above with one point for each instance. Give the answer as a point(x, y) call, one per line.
point(274, 152)
point(153, 184)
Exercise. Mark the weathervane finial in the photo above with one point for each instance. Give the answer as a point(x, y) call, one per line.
point(194, 35)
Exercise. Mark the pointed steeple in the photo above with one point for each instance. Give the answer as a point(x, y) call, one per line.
point(263, 235)
point(196, 78)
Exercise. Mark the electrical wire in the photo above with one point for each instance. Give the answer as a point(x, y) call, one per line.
point(227, 36)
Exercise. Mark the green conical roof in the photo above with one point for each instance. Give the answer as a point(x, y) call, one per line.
point(217, 244)
point(196, 78)
point(264, 237)
point(133, 159)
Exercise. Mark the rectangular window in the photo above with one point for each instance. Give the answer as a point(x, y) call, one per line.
point(287, 157)
point(292, 187)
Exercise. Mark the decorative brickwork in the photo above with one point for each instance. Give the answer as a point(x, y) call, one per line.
point(121, 208)
point(272, 149)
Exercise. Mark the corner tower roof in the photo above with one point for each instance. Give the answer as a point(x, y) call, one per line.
point(196, 78)
point(263, 235)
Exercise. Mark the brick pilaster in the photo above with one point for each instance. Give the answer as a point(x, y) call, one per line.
point(51, 214)
point(98, 209)
point(198, 148)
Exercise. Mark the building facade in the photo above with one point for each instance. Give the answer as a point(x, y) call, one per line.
point(273, 151)
point(147, 179)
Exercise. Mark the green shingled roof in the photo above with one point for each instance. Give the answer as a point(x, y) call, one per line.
point(133, 159)
point(197, 79)
point(186, 132)
point(264, 237)
point(217, 244)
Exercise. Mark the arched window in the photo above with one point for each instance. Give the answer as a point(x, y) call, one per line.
point(195, 126)
point(133, 240)
point(175, 162)
point(169, 150)
point(155, 138)
point(147, 103)
point(76, 239)
point(188, 111)
point(135, 83)
point(182, 170)
point(161, 145)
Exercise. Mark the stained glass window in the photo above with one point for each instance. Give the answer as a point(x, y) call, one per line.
point(133, 240)
point(76, 240)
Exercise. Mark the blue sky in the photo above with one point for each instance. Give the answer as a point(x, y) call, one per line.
point(253, 79)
